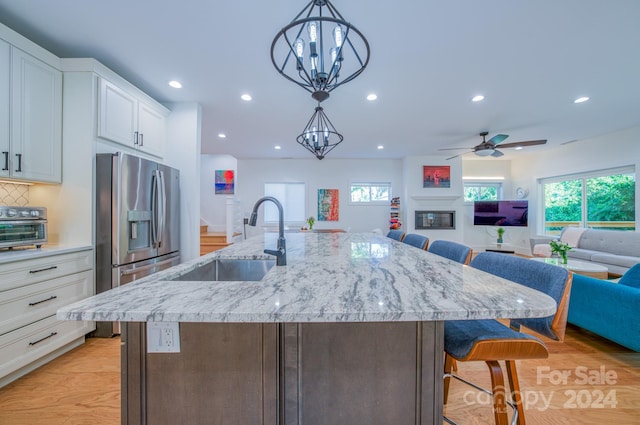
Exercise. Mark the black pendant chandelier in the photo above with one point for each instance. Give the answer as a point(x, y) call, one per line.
point(320, 51)
point(319, 136)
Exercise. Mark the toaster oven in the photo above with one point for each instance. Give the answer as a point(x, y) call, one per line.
point(23, 226)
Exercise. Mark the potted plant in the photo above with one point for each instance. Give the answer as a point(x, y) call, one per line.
point(500, 234)
point(310, 222)
point(560, 248)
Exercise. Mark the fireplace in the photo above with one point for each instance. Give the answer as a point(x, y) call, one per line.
point(435, 220)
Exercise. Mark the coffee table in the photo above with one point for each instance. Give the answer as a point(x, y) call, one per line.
point(580, 267)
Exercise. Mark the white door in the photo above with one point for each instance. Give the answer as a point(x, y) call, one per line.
point(152, 128)
point(117, 115)
point(5, 85)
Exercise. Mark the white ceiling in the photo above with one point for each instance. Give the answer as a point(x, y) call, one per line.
point(530, 58)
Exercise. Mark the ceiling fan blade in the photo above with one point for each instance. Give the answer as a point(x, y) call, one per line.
point(496, 153)
point(455, 156)
point(452, 149)
point(498, 138)
point(526, 143)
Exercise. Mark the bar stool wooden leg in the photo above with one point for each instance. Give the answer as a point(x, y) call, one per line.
point(498, 390)
point(512, 374)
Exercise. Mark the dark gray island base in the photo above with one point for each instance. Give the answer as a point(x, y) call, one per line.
point(371, 373)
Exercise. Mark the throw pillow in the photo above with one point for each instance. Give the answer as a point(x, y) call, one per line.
point(631, 277)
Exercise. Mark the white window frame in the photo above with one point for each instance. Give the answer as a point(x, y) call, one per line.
point(541, 222)
point(498, 184)
point(369, 185)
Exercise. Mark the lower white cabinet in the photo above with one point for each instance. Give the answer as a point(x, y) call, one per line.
point(30, 333)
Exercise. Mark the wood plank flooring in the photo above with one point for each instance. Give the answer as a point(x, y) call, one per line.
point(83, 387)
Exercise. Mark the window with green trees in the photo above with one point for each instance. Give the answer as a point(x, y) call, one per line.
point(482, 191)
point(598, 200)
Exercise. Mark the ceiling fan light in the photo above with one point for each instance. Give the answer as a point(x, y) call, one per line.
point(484, 152)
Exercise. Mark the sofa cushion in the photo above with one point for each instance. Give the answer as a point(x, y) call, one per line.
point(612, 241)
point(571, 235)
point(581, 254)
point(618, 260)
point(631, 277)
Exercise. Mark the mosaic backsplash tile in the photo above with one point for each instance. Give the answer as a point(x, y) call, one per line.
point(14, 194)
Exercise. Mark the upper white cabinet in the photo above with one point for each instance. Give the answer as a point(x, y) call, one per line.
point(30, 117)
point(129, 120)
point(36, 130)
point(5, 90)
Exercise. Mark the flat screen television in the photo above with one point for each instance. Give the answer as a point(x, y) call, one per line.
point(501, 213)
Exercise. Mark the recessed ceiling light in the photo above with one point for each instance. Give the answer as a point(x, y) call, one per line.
point(175, 84)
point(222, 135)
point(372, 96)
point(581, 99)
point(477, 98)
point(277, 147)
point(245, 97)
point(518, 148)
point(380, 147)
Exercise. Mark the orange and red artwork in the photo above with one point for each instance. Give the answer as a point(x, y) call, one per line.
point(328, 205)
point(224, 181)
point(436, 176)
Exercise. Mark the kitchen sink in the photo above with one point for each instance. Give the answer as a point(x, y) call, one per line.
point(229, 270)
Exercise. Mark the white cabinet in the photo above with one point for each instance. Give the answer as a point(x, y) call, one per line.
point(32, 142)
point(31, 292)
point(5, 90)
point(128, 120)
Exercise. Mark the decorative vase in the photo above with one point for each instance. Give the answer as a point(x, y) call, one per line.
point(500, 240)
point(564, 257)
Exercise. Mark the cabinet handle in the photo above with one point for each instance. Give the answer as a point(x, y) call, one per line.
point(6, 161)
point(43, 270)
point(141, 139)
point(42, 339)
point(135, 138)
point(19, 170)
point(51, 298)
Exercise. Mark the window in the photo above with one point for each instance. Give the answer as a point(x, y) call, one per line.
point(482, 191)
point(291, 196)
point(367, 193)
point(600, 200)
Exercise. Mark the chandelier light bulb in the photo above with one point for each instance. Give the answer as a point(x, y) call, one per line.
point(312, 29)
point(298, 46)
point(337, 35)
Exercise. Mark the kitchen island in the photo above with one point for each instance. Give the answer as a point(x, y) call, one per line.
point(349, 332)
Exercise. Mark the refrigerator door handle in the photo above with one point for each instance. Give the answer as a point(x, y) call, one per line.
point(143, 268)
point(162, 207)
point(154, 209)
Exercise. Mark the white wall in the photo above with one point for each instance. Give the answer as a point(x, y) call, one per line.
point(612, 150)
point(212, 206)
point(183, 152)
point(325, 174)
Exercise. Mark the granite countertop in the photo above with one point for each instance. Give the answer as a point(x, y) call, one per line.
point(30, 252)
point(329, 277)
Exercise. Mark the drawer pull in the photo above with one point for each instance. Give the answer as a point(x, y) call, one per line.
point(53, 297)
point(43, 270)
point(52, 334)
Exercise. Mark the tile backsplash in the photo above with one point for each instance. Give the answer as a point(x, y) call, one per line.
point(14, 194)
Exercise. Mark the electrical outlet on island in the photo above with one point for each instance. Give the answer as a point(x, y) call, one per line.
point(163, 337)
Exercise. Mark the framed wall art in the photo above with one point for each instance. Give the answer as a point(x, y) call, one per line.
point(436, 176)
point(328, 205)
point(224, 182)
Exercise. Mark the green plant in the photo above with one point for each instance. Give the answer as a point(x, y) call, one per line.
point(500, 232)
point(560, 248)
point(310, 222)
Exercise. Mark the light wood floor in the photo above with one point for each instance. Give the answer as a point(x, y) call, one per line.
point(83, 387)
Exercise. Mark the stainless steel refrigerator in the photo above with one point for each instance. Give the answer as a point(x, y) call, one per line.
point(137, 222)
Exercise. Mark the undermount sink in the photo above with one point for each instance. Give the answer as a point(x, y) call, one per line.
point(229, 270)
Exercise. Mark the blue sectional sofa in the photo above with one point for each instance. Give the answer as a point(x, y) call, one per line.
point(609, 309)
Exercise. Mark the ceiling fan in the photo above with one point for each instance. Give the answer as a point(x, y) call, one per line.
point(488, 147)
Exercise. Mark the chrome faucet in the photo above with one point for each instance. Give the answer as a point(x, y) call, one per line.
point(281, 250)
